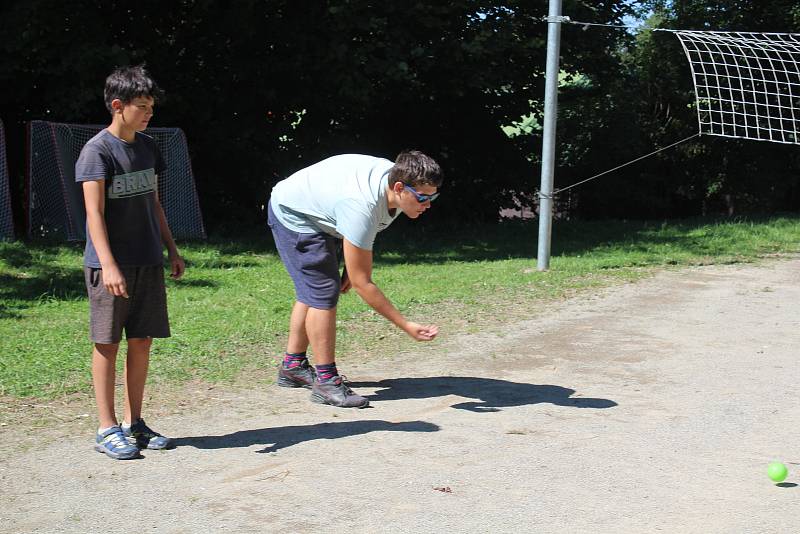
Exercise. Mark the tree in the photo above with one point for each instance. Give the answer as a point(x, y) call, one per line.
point(264, 87)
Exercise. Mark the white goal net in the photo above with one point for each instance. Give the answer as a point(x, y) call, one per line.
point(747, 85)
point(55, 200)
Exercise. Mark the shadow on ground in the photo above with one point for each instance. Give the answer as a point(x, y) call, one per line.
point(492, 394)
point(280, 437)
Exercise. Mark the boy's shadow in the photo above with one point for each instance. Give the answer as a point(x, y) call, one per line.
point(492, 394)
point(280, 437)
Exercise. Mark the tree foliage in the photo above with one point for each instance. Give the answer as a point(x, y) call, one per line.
point(707, 175)
point(264, 87)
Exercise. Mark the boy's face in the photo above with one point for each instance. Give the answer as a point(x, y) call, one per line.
point(409, 198)
point(136, 114)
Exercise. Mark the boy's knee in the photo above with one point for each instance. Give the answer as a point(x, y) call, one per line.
point(107, 350)
point(140, 343)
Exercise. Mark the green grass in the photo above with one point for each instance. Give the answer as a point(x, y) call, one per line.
point(229, 313)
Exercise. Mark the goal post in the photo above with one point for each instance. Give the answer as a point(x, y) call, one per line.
point(747, 85)
point(55, 199)
point(6, 217)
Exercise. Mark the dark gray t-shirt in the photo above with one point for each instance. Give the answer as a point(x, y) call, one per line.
point(130, 171)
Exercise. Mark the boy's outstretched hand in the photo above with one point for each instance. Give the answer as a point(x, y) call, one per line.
point(422, 332)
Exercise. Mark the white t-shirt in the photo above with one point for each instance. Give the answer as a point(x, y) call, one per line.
point(344, 196)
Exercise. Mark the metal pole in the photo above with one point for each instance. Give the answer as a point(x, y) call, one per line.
point(549, 135)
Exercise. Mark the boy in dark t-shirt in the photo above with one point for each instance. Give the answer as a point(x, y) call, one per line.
point(126, 231)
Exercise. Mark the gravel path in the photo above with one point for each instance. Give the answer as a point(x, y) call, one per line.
point(648, 407)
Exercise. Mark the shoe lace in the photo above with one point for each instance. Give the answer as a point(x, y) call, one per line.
point(143, 430)
point(117, 440)
point(347, 391)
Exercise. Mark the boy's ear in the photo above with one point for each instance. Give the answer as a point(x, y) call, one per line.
point(117, 105)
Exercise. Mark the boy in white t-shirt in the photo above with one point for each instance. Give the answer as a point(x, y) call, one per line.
point(343, 200)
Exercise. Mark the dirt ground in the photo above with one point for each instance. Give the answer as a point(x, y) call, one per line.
point(648, 407)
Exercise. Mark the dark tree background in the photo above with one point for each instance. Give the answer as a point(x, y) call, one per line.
point(264, 87)
point(649, 103)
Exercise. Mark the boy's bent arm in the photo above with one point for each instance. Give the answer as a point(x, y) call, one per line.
point(358, 263)
point(176, 262)
point(95, 201)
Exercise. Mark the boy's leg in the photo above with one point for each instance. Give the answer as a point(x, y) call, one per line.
point(321, 330)
point(295, 371)
point(104, 359)
point(298, 338)
point(136, 365)
point(318, 329)
point(106, 316)
point(329, 388)
point(134, 427)
point(312, 263)
point(148, 319)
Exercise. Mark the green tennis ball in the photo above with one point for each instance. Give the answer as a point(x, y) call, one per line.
point(777, 471)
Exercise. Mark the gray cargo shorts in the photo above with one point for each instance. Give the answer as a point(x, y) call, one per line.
point(143, 314)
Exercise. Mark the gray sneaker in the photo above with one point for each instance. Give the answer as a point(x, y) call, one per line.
point(113, 443)
point(301, 376)
point(336, 393)
point(147, 438)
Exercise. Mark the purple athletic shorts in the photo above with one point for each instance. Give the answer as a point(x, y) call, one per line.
point(312, 263)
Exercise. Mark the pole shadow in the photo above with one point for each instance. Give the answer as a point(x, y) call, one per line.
point(492, 394)
point(277, 438)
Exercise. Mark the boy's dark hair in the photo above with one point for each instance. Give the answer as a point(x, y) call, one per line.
point(412, 168)
point(127, 83)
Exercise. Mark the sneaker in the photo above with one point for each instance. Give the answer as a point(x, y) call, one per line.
point(145, 437)
point(301, 376)
point(112, 442)
point(336, 393)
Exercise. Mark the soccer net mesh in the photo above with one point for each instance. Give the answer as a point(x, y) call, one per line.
point(747, 85)
point(55, 200)
point(6, 219)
